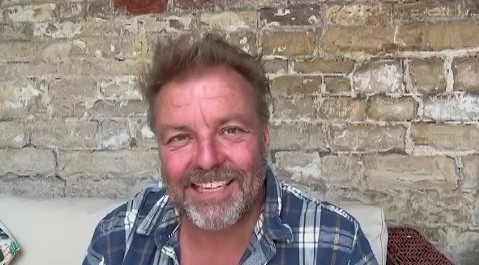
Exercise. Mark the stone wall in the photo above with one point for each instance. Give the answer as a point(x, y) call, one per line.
point(374, 101)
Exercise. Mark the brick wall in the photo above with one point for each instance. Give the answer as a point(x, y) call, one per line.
point(374, 101)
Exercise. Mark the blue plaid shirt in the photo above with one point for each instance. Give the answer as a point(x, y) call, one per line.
point(292, 230)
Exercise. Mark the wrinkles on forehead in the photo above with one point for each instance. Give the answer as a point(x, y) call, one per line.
point(201, 94)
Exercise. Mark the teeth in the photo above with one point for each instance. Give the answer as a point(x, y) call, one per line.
point(211, 185)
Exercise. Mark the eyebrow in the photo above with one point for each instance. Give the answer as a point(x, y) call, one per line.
point(174, 127)
point(222, 121)
point(232, 117)
point(166, 127)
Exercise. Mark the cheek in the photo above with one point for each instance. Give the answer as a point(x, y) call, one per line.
point(174, 165)
point(245, 156)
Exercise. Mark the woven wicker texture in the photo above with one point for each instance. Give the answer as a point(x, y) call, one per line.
point(406, 246)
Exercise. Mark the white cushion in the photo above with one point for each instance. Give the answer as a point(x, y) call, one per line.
point(58, 231)
point(371, 219)
point(52, 231)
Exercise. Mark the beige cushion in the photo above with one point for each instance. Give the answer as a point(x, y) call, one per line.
point(374, 227)
point(52, 231)
point(58, 231)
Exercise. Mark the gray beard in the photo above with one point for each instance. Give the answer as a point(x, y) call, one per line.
point(220, 214)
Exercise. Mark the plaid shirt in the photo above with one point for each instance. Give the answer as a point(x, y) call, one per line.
point(292, 229)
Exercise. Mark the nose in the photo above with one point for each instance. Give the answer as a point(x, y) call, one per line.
point(208, 155)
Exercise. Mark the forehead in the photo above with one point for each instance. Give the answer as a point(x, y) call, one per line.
point(213, 87)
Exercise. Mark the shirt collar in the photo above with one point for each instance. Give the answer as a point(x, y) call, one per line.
point(273, 227)
point(164, 217)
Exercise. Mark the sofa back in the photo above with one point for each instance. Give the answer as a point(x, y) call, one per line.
point(57, 231)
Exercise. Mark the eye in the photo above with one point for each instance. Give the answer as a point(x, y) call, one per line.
point(178, 140)
point(231, 130)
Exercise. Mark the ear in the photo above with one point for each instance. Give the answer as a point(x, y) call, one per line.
point(265, 136)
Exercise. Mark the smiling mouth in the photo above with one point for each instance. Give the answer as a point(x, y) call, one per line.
point(211, 186)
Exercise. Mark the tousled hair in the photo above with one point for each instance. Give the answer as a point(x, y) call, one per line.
point(189, 54)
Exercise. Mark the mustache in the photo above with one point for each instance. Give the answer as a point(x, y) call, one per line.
point(211, 175)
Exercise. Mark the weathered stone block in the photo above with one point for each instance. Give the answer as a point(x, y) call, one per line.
point(289, 43)
point(446, 137)
point(115, 134)
point(105, 68)
point(472, 7)
point(457, 107)
point(12, 134)
point(275, 66)
point(81, 67)
point(57, 112)
point(337, 85)
point(436, 37)
point(73, 90)
point(297, 109)
point(71, 135)
point(57, 30)
point(198, 4)
point(289, 85)
point(256, 3)
point(32, 186)
point(299, 166)
point(427, 75)
point(464, 254)
point(17, 96)
point(299, 136)
point(429, 209)
point(100, 8)
point(31, 13)
point(294, 16)
point(354, 15)
point(384, 76)
point(305, 2)
point(318, 65)
point(367, 39)
point(466, 77)
point(119, 49)
point(74, 11)
point(409, 172)
point(367, 138)
point(343, 108)
point(120, 88)
point(343, 171)
point(21, 51)
point(103, 109)
point(470, 181)
point(58, 51)
point(426, 10)
point(107, 164)
point(16, 32)
point(169, 24)
point(230, 21)
point(95, 27)
point(392, 109)
point(246, 40)
point(27, 162)
point(106, 187)
point(142, 135)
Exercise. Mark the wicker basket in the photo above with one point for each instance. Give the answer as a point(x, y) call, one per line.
point(406, 246)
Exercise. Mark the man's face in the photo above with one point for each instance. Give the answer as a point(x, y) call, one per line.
point(212, 146)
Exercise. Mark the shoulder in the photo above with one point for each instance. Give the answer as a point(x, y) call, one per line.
point(324, 227)
point(327, 219)
point(126, 216)
point(308, 203)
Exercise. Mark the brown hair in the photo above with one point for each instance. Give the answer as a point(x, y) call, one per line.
point(189, 54)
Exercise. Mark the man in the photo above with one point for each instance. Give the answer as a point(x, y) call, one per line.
point(222, 204)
